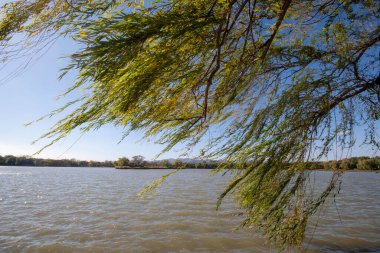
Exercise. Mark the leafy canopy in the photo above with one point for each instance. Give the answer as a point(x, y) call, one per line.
point(270, 83)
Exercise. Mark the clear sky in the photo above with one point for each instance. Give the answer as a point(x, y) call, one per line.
point(33, 94)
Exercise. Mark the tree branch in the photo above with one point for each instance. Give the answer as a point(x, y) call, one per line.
point(281, 17)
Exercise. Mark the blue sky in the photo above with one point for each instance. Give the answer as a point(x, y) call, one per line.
point(34, 93)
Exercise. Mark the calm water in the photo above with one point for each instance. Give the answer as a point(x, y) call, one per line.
point(96, 210)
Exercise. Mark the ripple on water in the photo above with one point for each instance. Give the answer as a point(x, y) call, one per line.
point(96, 210)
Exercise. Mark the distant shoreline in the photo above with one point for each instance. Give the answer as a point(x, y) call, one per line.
point(140, 168)
point(35, 166)
point(158, 168)
point(354, 164)
point(163, 168)
point(355, 170)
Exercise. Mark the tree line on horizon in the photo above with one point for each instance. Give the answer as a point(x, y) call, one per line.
point(10, 160)
point(353, 163)
point(140, 162)
point(137, 161)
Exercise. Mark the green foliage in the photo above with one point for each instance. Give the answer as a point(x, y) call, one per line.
point(123, 161)
point(152, 186)
point(369, 164)
point(10, 160)
point(354, 163)
point(138, 160)
point(271, 84)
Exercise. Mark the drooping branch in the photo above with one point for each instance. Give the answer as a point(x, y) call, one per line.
point(277, 25)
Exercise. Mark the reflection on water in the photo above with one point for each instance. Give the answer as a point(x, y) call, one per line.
point(96, 210)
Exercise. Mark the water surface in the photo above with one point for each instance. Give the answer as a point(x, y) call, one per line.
point(96, 210)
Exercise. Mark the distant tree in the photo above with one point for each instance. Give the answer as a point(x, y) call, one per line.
point(108, 164)
point(123, 161)
point(348, 164)
point(165, 163)
point(10, 160)
point(178, 164)
point(315, 166)
point(24, 161)
point(276, 83)
point(138, 160)
point(368, 164)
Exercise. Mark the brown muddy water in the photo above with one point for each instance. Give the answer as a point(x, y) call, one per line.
point(96, 210)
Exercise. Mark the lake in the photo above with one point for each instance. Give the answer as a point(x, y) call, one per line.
point(96, 210)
